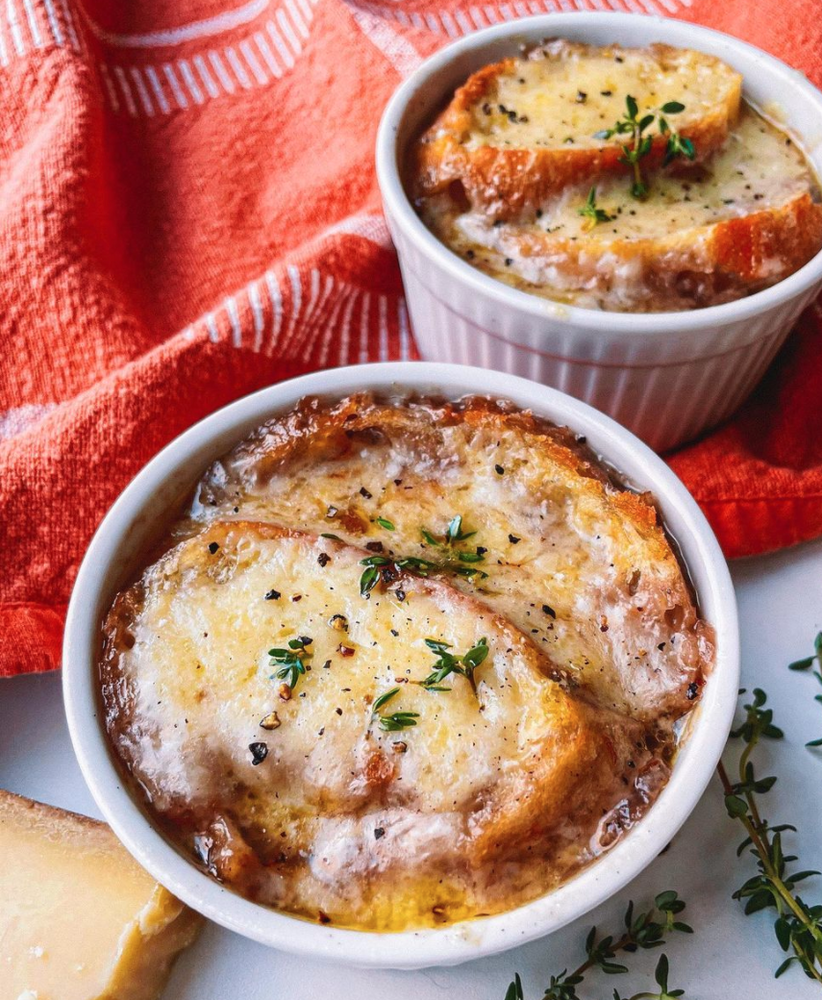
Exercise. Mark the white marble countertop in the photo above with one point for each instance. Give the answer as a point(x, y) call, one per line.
point(729, 956)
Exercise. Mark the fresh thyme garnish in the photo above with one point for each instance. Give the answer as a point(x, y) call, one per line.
point(454, 534)
point(383, 698)
point(383, 522)
point(806, 664)
point(593, 214)
point(640, 144)
point(460, 562)
point(449, 663)
point(398, 720)
point(292, 660)
point(645, 930)
point(798, 926)
point(386, 569)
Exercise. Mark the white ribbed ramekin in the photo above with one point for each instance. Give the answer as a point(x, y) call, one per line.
point(666, 376)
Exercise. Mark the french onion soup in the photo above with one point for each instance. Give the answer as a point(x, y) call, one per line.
point(616, 178)
point(403, 662)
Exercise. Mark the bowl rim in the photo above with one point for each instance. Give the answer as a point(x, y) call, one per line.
point(190, 454)
point(618, 325)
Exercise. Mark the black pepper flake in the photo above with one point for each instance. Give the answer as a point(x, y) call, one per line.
point(606, 93)
point(364, 493)
point(297, 597)
point(374, 546)
point(693, 690)
point(618, 59)
point(513, 539)
point(499, 470)
point(338, 711)
point(272, 595)
point(400, 595)
point(486, 109)
point(323, 559)
point(581, 97)
point(481, 550)
point(259, 752)
point(502, 109)
point(323, 917)
point(332, 511)
point(469, 254)
point(379, 832)
point(661, 646)
point(327, 664)
point(212, 547)
point(394, 632)
point(549, 610)
point(508, 261)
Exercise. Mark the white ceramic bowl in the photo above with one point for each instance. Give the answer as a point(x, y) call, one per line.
point(143, 511)
point(666, 376)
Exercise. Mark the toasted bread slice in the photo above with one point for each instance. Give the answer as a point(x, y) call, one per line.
point(693, 268)
point(285, 778)
point(577, 562)
point(522, 129)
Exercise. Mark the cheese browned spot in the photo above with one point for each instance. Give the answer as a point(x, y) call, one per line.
point(495, 792)
point(586, 547)
point(80, 920)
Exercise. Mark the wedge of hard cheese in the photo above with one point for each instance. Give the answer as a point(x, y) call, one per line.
point(79, 919)
point(522, 129)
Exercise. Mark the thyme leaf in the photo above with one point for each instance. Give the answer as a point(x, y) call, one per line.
point(291, 661)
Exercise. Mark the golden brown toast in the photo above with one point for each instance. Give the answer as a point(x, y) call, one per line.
point(523, 129)
point(576, 561)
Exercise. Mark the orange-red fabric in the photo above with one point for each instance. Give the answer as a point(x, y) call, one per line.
point(188, 212)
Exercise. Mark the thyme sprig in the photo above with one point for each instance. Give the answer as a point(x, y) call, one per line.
point(806, 664)
point(397, 720)
point(798, 926)
point(593, 214)
point(640, 143)
point(645, 930)
point(292, 660)
point(454, 558)
point(458, 561)
point(451, 663)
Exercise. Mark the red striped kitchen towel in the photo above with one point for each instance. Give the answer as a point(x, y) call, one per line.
point(188, 212)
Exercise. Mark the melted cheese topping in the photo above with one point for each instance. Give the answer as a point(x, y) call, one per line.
point(329, 810)
point(555, 255)
point(562, 92)
point(481, 528)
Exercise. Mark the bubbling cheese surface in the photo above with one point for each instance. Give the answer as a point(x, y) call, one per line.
point(274, 683)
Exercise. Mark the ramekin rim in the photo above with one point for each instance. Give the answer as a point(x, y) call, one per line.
point(407, 949)
point(400, 210)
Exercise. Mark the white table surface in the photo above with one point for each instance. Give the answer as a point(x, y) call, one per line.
point(729, 956)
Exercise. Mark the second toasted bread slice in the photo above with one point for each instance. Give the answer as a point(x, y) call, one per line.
point(520, 130)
